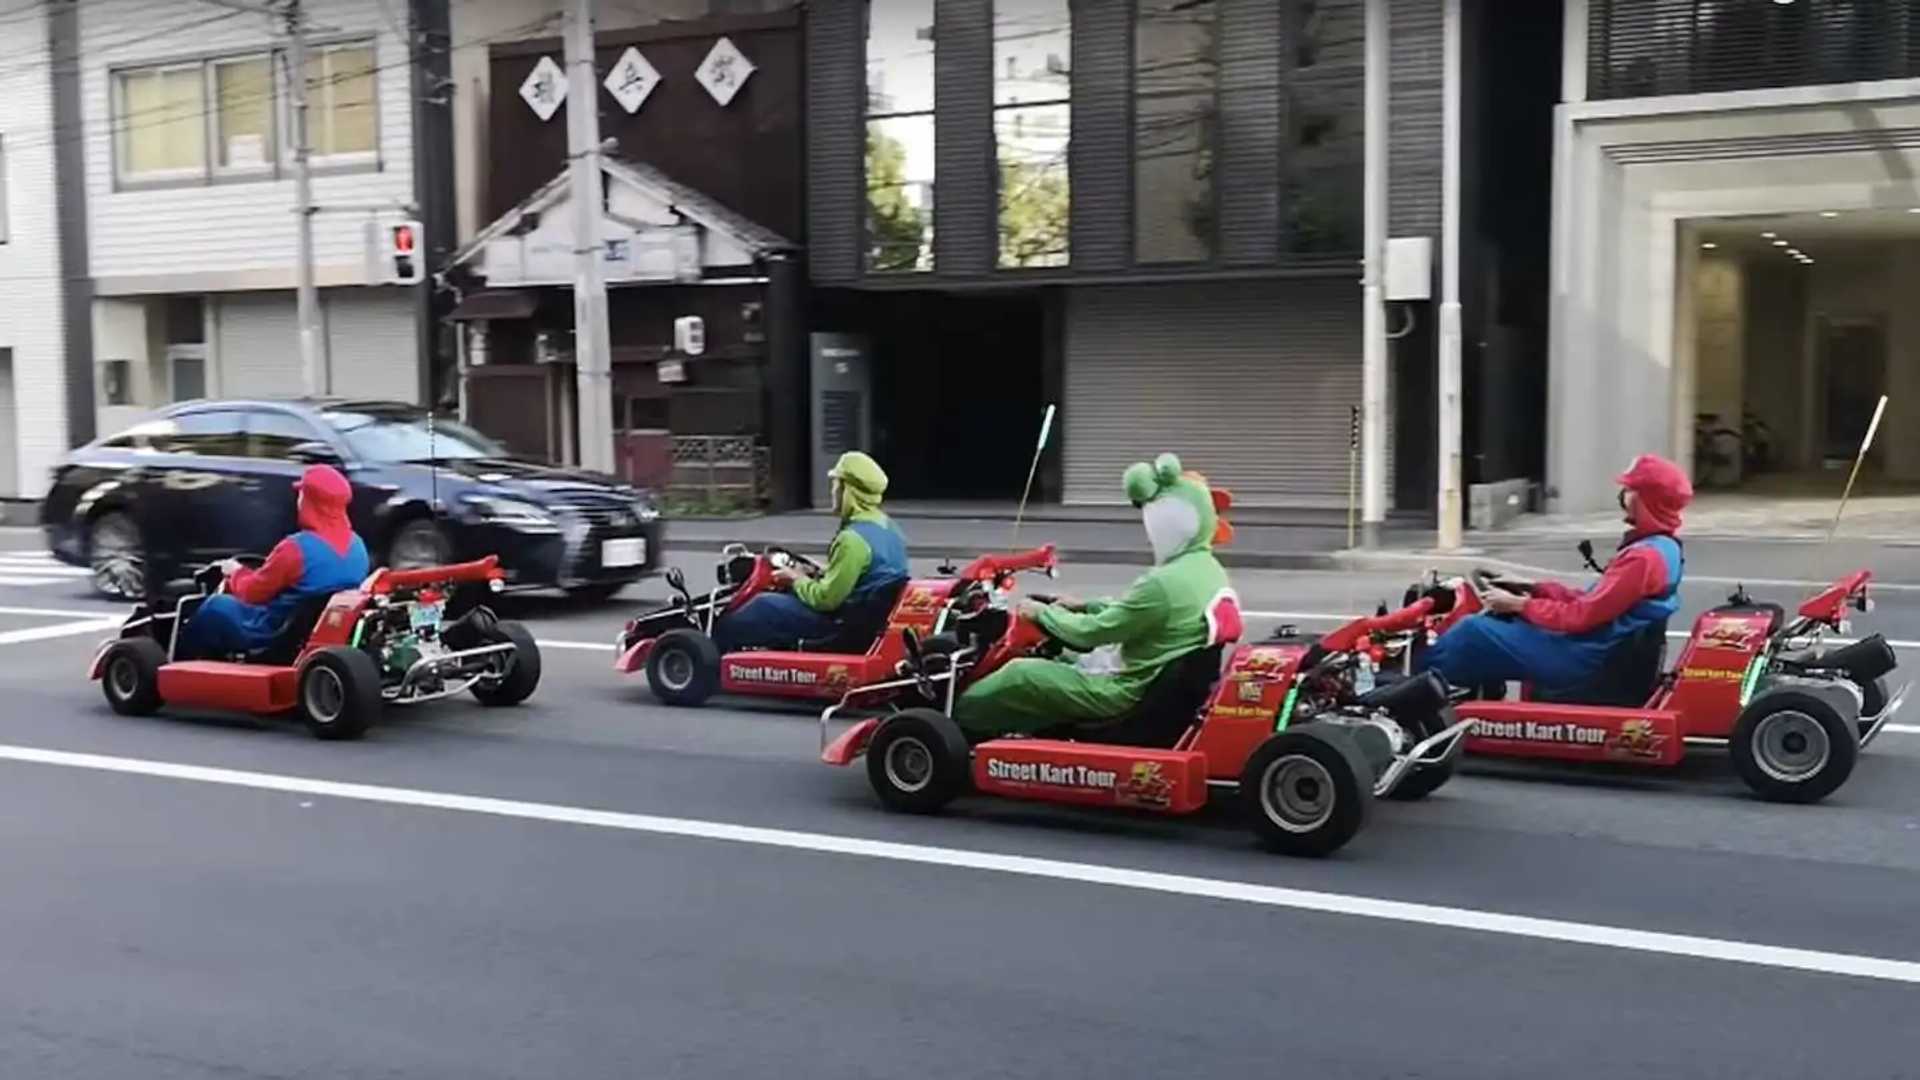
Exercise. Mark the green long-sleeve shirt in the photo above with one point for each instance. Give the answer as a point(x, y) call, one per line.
point(1160, 618)
point(847, 559)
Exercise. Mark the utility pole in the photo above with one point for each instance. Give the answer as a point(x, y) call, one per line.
point(1449, 374)
point(312, 364)
point(1373, 323)
point(592, 345)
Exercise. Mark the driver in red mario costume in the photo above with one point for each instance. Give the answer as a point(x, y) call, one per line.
point(1559, 637)
point(324, 557)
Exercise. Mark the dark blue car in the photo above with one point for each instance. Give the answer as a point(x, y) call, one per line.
point(206, 480)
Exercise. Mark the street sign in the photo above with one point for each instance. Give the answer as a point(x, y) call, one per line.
point(632, 80)
point(544, 89)
point(724, 71)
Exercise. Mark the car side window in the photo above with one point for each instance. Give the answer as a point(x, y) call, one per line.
point(275, 434)
point(221, 433)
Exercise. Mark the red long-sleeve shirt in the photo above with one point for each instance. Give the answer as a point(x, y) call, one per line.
point(1635, 574)
point(282, 569)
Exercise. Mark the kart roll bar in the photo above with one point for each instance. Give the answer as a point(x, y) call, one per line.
point(991, 567)
point(385, 580)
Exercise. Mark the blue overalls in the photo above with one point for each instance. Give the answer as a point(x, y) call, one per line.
point(1486, 648)
point(225, 625)
point(779, 620)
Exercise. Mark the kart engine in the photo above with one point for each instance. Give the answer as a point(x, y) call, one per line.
point(407, 634)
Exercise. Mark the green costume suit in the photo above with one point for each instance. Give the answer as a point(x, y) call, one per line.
point(1163, 617)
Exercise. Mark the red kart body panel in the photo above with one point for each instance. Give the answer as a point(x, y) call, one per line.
point(1090, 774)
point(1246, 702)
point(227, 687)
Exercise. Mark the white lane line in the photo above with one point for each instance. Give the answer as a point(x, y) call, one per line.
point(1366, 907)
point(12, 579)
point(60, 630)
point(55, 613)
point(589, 646)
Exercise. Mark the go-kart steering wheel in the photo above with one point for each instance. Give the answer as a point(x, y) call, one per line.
point(1484, 579)
point(211, 576)
point(776, 555)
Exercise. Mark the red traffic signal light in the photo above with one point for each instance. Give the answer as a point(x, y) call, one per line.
point(403, 239)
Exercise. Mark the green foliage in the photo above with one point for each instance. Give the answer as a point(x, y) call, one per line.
point(895, 230)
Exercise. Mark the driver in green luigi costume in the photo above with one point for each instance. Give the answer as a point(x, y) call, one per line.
point(1181, 605)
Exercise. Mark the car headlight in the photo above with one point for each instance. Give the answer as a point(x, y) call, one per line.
point(645, 511)
point(511, 513)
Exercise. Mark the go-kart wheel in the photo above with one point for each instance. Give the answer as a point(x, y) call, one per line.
point(130, 676)
point(917, 761)
point(339, 693)
point(1797, 743)
point(684, 667)
point(516, 684)
point(1307, 791)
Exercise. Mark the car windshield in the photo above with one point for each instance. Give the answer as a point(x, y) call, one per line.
point(391, 437)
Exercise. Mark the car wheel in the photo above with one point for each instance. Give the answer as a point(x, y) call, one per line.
point(114, 554)
point(1797, 744)
point(419, 543)
point(684, 667)
point(130, 676)
point(1307, 791)
point(517, 683)
point(339, 693)
point(918, 761)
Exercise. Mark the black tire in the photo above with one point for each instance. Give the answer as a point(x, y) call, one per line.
point(1328, 789)
point(684, 668)
point(523, 671)
point(417, 543)
point(1797, 744)
point(595, 594)
point(130, 676)
point(113, 536)
point(339, 693)
point(918, 761)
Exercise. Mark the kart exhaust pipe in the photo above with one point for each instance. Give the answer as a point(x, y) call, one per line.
point(1863, 661)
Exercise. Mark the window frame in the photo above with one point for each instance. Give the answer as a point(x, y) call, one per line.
point(1063, 101)
point(1212, 260)
point(352, 160)
point(868, 118)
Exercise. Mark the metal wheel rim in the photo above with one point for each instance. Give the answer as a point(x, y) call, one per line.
point(909, 764)
point(676, 670)
point(123, 678)
point(325, 696)
point(114, 540)
point(1297, 793)
point(1791, 746)
point(415, 548)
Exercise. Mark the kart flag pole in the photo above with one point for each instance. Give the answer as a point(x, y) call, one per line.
point(1046, 428)
point(1353, 471)
point(1858, 459)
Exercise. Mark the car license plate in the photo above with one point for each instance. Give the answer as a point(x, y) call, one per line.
point(425, 615)
point(629, 552)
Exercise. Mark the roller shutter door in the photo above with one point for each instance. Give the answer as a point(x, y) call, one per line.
point(371, 343)
point(1249, 382)
point(257, 345)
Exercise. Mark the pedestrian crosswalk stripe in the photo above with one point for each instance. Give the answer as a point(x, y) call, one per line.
point(9, 579)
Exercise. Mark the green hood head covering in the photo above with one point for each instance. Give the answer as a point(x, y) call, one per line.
point(1180, 510)
point(858, 483)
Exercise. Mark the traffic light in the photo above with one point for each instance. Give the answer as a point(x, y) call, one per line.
point(405, 263)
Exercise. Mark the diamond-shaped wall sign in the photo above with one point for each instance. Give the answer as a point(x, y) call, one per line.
point(545, 88)
point(724, 71)
point(631, 80)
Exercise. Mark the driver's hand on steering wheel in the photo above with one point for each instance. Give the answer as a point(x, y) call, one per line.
point(787, 575)
point(229, 567)
point(1501, 602)
point(1030, 610)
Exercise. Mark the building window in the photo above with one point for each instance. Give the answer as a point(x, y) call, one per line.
point(162, 122)
point(1175, 83)
point(1324, 84)
point(340, 101)
point(899, 153)
point(1032, 127)
point(243, 112)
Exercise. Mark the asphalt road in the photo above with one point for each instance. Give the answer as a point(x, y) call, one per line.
point(654, 892)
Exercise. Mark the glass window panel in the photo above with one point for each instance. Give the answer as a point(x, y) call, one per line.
point(899, 57)
point(162, 121)
point(900, 194)
point(341, 101)
point(1035, 191)
point(1175, 74)
point(1032, 51)
point(243, 95)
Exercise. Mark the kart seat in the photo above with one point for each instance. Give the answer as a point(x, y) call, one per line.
point(1170, 706)
point(293, 635)
point(1627, 678)
point(859, 622)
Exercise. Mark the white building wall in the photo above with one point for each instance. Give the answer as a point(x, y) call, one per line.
point(239, 225)
point(30, 316)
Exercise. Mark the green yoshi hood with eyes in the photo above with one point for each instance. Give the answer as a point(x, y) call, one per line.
point(1180, 510)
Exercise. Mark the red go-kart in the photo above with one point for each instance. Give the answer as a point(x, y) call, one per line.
point(337, 661)
point(1283, 726)
point(1793, 716)
point(674, 643)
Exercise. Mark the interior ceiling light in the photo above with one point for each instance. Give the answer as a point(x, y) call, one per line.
point(1768, 235)
point(1709, 245)
point(1779, 243)
point(1829, 213)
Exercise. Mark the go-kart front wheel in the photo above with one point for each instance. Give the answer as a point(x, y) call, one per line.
point(918, 761)
point(130, 676)
point(684, 667)
point(1797, 744)
point(339, 693)
point(1307, 791)
point(517, 683)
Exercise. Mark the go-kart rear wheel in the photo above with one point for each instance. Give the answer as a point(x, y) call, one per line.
point(339, 693)
point(1307, 791)
point(1797, 744)
point(130, 676)
point(523, 668)
point(684, 667)
point(918, 761)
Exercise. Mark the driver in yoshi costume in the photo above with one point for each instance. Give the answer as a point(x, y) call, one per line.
point(1183, 604)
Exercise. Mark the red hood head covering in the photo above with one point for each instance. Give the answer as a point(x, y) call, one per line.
point(1663, 490)
point(324, 495)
